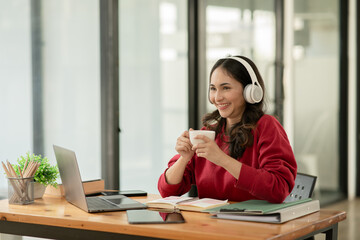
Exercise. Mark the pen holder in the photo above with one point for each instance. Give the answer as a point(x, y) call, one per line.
point(21, 190)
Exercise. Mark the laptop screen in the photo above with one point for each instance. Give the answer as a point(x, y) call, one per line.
point(70, 177)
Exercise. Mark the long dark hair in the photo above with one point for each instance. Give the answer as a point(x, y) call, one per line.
point(240, 135)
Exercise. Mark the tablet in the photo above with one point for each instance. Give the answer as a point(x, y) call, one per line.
point(145, 216)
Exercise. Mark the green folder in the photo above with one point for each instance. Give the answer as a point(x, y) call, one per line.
point(255, 206)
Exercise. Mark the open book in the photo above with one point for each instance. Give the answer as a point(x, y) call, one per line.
point(186, 203)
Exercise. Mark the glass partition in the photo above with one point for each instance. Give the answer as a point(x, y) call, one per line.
point(15, 83)
point(71, 81)
point(241, 28)
point(69, 93)
point(316, 92)
point(153, 88)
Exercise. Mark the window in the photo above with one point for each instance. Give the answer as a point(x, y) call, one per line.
point(242, 29)
point(15, 83)
point(70, 81)
point(153, 88)
point(316, 97)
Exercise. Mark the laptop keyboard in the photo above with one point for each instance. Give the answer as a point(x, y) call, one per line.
point(95, 203)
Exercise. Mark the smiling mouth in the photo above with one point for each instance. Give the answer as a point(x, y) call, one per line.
point(223, 106)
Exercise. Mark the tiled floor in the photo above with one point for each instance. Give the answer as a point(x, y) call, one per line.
point(350, 228)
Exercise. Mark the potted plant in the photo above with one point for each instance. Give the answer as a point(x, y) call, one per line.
point(45, 174)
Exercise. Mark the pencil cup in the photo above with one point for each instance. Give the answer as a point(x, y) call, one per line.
point(21, 190)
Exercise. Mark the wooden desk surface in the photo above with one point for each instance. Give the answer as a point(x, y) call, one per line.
point(54, 211)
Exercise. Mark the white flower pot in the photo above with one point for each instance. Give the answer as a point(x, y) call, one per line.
point(39, 190)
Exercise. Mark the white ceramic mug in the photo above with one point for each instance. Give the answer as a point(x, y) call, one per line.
point(208, 133)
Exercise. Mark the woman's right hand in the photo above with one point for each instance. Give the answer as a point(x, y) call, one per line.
point(184, 146)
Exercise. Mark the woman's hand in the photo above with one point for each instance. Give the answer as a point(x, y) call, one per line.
point(211, 151)
point(184, 146)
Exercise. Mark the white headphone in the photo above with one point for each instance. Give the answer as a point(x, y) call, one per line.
point(253, 93)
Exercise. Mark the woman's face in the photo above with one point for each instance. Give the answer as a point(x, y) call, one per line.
point(226, 94)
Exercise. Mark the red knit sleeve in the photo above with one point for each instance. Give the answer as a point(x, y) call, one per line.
point(271, 174)
point(183, 187)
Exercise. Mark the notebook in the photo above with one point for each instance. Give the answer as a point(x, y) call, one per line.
point(74, 191)
point(256, 206)
point(278, 216)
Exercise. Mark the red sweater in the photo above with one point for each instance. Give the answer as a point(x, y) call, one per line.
point(268, 169)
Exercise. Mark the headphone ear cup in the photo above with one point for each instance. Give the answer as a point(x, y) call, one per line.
point(247, 94)
point(253, 93)
point(257, 93)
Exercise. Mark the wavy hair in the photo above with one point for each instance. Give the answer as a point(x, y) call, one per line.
point(240, 135)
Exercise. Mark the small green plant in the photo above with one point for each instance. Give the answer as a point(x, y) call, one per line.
point(46, 174)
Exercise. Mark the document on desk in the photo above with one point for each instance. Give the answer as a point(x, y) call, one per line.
point(256, 206)
point(276, 216)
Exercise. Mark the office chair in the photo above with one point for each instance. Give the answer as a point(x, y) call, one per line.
point(303, 188)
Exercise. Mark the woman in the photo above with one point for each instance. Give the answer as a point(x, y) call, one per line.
point(251, 157)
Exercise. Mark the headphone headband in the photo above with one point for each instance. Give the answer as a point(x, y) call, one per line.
point(248, 67)
point(253, 93)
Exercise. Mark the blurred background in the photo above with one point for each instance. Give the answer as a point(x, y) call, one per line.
point(51, 81)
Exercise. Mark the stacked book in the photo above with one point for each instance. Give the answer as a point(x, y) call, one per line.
point(91, 187)
point(263, 211)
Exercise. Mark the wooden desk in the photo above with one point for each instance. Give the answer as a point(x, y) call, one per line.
point(53, 217)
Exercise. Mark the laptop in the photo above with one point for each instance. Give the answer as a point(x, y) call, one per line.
point(74, 191)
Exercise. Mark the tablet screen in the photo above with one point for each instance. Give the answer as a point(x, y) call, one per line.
point(144, 216)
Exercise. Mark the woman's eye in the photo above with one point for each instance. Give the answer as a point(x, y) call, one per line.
point(226, 88)
point(212, 89)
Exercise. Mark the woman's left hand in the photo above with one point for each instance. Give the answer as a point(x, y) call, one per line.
point(209, 150)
